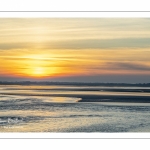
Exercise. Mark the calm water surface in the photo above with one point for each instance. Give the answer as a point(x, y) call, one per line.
point(26, 113)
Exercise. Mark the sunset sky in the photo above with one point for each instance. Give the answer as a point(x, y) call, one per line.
point(75, 49)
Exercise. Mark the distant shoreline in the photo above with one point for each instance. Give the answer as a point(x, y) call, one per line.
point(75, 83)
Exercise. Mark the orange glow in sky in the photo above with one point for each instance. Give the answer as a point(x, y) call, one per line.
point(47, 47)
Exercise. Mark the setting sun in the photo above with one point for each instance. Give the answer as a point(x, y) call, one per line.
point(38, 71)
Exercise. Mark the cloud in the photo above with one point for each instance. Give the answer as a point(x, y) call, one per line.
point(82, 44)
point(128, 66)
point(102, 43)
point(116, 66)
point(10, 46)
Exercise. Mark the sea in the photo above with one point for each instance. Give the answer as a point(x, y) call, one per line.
point(61, 108)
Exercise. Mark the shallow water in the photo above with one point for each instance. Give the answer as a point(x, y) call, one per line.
point(26, 113)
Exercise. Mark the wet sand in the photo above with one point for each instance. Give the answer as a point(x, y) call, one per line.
point(93, 98)
point(84, 93)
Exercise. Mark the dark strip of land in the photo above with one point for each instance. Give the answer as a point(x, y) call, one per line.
point(74, 83)
point(118, 98)
point(85, 89)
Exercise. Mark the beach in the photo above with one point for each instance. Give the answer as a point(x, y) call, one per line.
point(64, 108)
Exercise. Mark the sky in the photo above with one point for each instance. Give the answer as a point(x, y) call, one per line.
point(75, 49)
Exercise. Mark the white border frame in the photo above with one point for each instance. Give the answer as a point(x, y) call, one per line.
point(74, 14)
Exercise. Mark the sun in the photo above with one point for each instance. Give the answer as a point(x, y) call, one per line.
point(39, 66)
point(38, 71)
